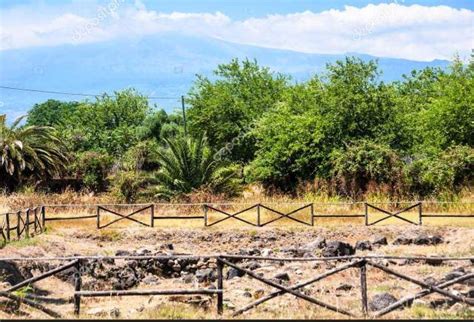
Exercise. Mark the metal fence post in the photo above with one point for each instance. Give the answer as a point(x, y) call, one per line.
point(363, 286)
point(77, 288)
point(220, 286)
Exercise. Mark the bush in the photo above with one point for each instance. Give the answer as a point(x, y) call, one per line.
point(449, 170)
point(94, 167)
point(142, 156)
point(364, 162)
point(126, 186)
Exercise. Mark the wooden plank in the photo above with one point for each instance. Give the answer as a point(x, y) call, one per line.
point(286, 289)
point(297, 286)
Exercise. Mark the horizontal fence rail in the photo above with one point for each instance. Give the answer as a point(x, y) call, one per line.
point(33, 221)
point(359, 263)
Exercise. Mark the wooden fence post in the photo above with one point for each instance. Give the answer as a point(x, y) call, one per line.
point(43, 218)
point(205, 215)
point(220, 286)
point(420, 215)
point(35, 220)
point(18, 220)
point(152, 223)
point(27, 223)
point(366, 214)
point(363, 286)
point(98, 217)
point(258, 215)
point(312, 214)
point(7, 221)
point(77, 288)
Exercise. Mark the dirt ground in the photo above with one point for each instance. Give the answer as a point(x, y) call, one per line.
point(341, 290)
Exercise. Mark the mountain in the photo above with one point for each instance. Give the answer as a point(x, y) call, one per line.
point(159, 65)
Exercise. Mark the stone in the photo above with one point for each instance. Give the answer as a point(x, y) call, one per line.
point(232, 273)
point(188, 278)
point(337, 248)
point(205, 275)
point(151, 280)
point(380, 241)
point(381, 301)
point(253, 265)
point(430, 281)
point(10, 273)
point(318, 243)
point(102, 312)
point(434, 261)
point(282, 277)
point(344, 287)
point(470, 293)
point(267, 252)
point(247, 294)
point(403, 240)
point(420, 302)
point(363, 245)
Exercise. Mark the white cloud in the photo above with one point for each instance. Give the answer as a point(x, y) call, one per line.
point(388, 30)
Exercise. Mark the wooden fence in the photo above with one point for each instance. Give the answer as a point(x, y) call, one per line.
point(17, 224)
point(358, 262)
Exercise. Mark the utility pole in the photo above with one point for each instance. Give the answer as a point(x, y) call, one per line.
point(184, 115)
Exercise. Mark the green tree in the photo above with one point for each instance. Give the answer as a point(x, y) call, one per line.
point(28, 152)
point(51, 113)
point(188, 165)
point(224, 108)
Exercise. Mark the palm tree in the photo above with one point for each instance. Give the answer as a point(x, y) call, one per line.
point(188, 165)
point(29, 151)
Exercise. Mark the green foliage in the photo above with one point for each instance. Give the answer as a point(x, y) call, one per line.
point(225, 108)
point(126, 185)
point(28, 152)
point(51, 113)
point(363, 162)
point(296, 138)
point(93, 167)
point(188, 164)
point(142, 157)
point(344, 128)
point(449, 170)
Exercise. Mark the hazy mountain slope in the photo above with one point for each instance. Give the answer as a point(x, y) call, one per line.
point(158, 65)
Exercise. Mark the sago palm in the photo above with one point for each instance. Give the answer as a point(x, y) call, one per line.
point(188, 165)
point(29, 151)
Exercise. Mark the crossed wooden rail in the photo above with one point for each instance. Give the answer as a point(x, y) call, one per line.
point(357, 262)
point(37, 217)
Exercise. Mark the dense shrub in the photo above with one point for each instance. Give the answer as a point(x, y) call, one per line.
point(93, 167)
point(447, 171)
point(363, 162)
point(127, 185)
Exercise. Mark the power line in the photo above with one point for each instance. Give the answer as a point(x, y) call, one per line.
point(80, 94)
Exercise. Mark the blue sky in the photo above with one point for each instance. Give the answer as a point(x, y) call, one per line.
point(410, 29)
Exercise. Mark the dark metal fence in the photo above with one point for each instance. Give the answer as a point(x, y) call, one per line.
point(361, 263)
